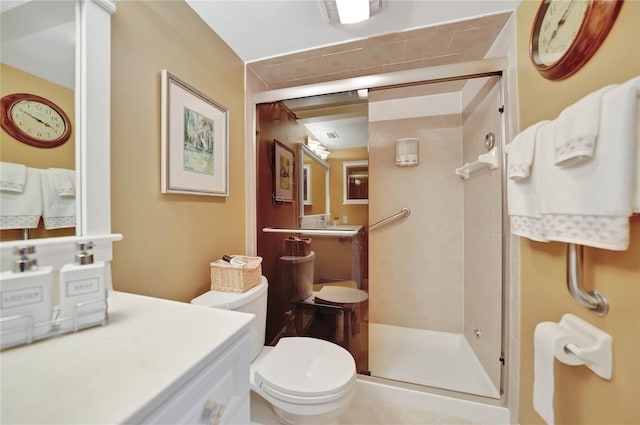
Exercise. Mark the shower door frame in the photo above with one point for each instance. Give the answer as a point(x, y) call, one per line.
point(459, 71)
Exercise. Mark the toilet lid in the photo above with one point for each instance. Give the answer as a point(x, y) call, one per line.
point(341, 295)
point(300, 368)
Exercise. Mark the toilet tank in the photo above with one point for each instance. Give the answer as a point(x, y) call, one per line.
point(253, 301)
point(296, 273)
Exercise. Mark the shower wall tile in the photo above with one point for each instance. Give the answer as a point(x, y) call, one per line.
point(417, 279)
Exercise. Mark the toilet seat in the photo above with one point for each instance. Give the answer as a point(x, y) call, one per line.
point(303, 370)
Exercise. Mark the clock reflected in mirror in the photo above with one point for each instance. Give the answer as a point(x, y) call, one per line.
point(34, 120)
point(567, 33)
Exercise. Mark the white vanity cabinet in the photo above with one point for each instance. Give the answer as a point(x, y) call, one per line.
point(156, 361)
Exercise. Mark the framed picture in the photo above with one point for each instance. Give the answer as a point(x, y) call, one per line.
point(283, 177)
point(306, 179)
point(195, 141)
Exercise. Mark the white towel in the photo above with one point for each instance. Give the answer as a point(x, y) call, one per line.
point(521, 151)
point(577, 129)
point(64, 181)
point(13, 177)
point(523, 195)
point(57, 211)
point(22, 210)
point(589, 203)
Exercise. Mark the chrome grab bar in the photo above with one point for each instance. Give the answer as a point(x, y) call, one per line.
point(405, 212)
point(593, 300)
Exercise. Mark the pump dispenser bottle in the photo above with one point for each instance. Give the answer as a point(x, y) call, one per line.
point(83, 296)
point(26, 300)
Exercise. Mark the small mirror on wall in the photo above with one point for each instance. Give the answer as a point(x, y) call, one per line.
point(355, 177)
point(306, 187)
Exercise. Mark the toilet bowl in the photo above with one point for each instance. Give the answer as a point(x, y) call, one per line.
point(306, 380)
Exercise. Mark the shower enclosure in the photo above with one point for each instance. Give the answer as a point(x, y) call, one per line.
point(435, 316)
point(435, 278)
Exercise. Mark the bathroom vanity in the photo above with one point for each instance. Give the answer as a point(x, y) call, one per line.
point(157, 361)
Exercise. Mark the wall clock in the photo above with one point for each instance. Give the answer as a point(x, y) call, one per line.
point(34, 120)
point(566, 34)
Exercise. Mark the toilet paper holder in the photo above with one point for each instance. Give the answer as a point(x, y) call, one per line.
point(593, 346)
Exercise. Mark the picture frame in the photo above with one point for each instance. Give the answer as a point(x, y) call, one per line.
point(283, 172)
point(355, 182)
point(306, 188)
point(194, 139)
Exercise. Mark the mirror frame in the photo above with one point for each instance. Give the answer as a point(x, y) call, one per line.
point(304, 150)
point(345, 183)
point(93, 151)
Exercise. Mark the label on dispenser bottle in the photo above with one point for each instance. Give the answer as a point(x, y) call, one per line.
point(82, 287)
point(23, 296)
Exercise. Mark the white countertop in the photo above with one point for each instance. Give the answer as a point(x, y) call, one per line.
point(344, 230)
point(107, 373)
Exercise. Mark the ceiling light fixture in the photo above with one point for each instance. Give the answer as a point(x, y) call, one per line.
point(352, 11)
point(349, 11)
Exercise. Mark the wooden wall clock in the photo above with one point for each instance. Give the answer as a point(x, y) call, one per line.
point(566, 34)
point(34, 120)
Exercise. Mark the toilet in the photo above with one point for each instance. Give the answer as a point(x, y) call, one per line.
point(296, 272)
point(306, 380)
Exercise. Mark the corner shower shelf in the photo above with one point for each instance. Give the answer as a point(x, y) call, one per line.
point(489, 159)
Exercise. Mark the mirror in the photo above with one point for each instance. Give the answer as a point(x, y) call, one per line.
point(314, 186)
point(338, 122)
point(355, 182)
point(38, 41)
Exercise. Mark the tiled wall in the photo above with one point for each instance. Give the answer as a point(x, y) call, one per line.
point(483, 232)
point(416, 279)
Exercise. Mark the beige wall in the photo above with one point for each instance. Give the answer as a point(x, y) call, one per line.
point(169, 240)
point(482, 206)
point(581, 397)
point(13, 80)
point(416, 264)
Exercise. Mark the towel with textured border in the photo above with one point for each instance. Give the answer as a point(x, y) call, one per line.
point(64, 181)
point(577, 129)
point(13, 177)
point(57, 211)
point(520, 152)
point(22, 210)
point(590, 203)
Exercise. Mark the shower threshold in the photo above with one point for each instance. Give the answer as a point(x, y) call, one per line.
point(436, 359)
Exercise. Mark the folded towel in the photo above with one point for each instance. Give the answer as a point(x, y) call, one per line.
point(589, 203)
point(521, 152)
point(577, 129)
point(12, 177)
point(523, 194)
point(64, 181)
point(22, 210)
point(57, 211)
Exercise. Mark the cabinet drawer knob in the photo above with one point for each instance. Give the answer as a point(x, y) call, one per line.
point(211, 413)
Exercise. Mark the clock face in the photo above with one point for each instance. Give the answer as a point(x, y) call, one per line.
point(34, 120)
point(560, 25)
point(567, 33)
point(38, 120)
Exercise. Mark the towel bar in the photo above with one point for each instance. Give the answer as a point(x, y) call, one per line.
point(593, 300)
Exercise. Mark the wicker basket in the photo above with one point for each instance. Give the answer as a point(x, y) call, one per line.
point(230, 278)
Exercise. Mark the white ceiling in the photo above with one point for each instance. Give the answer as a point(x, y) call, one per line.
point(260, 29)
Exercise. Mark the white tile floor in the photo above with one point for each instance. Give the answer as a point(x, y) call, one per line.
point(381, 404)
point(437, 359)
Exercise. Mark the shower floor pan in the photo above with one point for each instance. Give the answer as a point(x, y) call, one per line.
point(436, 359)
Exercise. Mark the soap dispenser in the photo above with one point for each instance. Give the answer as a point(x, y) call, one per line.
point(26, 300)
point(83, 296)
